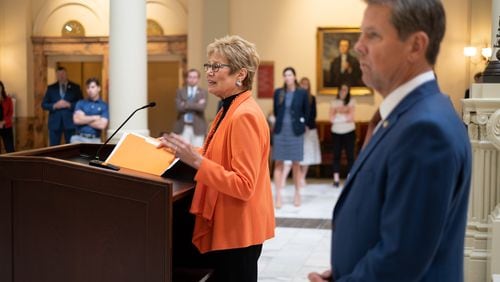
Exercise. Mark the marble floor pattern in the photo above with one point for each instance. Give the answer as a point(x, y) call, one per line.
point(302, 241)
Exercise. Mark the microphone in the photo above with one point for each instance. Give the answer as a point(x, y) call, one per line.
point(96, 161)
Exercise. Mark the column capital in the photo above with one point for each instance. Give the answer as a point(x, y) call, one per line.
point(482, 117)
point(493, 129)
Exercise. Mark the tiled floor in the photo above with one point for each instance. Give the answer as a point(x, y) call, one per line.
point(302, 241)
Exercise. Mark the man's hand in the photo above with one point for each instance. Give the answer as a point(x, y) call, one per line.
point(316, 277)
point(61, 104)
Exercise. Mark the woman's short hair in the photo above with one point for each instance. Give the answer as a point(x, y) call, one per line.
point(239, 54)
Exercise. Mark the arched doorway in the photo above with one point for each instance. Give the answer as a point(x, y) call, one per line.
point(162, 48)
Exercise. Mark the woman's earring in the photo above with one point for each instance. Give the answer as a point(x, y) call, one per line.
point(238, 83)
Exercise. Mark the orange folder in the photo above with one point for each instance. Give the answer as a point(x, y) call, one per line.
point(139, 153)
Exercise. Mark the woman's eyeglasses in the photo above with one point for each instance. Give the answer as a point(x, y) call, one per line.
point(214, 67)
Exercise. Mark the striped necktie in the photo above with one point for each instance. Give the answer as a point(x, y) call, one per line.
point(62, 90)
point(190, 92)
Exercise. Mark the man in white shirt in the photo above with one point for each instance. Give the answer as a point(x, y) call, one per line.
point(191, 101)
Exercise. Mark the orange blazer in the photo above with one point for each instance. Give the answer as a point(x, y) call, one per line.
point(233, 200)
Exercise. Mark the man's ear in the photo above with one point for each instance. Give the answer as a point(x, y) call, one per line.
point(419, 42)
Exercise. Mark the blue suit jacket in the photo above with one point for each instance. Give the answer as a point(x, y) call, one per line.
point(299, 110)
point(402, 213)
point(61, 118)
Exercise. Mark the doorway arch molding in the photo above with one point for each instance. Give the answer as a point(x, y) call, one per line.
point(43, 47)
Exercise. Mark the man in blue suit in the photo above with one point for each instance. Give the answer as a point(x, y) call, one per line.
point(402, 213)
point(60, 100)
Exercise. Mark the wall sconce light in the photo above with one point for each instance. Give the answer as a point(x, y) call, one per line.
point(470, 51)
point(475, 60)
point(486, 52)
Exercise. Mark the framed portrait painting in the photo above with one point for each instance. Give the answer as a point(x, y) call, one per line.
point(337, 63)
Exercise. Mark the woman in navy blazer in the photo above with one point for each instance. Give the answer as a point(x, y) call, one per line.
point(291, 108)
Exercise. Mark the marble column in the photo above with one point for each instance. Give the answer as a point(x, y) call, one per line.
point(482, 116)
point(127, 66)
point(494, 244)
point(495, 16)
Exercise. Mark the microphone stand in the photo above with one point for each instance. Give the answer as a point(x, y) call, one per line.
point(96, 161)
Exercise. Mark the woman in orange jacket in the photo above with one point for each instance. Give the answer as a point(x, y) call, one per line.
point(6, 115)
point(233, 201)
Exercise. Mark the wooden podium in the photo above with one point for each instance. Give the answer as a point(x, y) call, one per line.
point(63, 220)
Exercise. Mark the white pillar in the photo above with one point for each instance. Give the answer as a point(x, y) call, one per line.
point(494, 245)
point(482, 115)
point(127, 66)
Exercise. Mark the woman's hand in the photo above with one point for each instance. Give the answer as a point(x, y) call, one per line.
point(182, 149)
point(343, 109)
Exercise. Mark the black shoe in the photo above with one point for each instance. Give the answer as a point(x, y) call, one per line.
point(336, 184)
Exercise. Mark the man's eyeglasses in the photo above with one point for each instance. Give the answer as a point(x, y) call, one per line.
point(214, 67)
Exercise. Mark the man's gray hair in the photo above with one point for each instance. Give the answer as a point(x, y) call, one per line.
point(409, 16)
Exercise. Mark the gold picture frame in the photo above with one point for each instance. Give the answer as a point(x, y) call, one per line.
point(334, 69)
